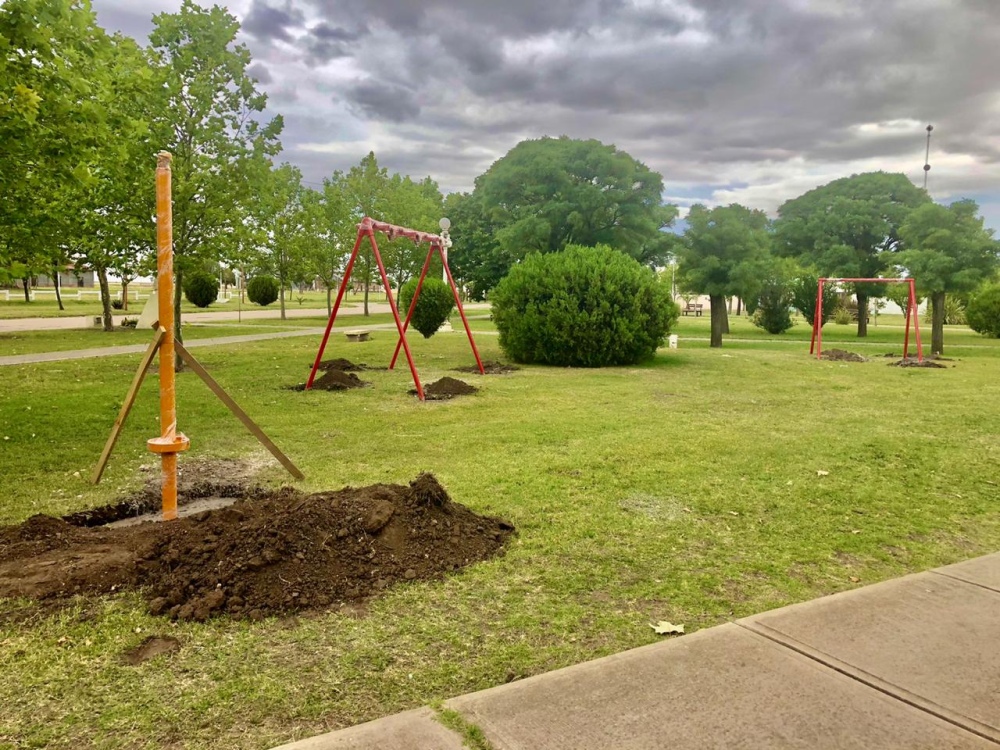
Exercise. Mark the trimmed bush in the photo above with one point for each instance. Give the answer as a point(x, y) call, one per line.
point(262, 290)
point(983, 312)
point(804, 291)
point(773, 309)
point(433, 306)
point(582, 307)
point(201, 289)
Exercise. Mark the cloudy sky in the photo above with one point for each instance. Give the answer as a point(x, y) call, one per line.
point(753, 101)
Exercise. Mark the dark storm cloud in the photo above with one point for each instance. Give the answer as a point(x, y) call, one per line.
point(260, 73)
point(266, 22)
point(384, 101)
point(324, 42)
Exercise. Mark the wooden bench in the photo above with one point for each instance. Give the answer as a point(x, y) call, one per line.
point(693, 307)
point(358, 335)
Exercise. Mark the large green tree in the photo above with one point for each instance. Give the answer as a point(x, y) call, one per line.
point(948, 251)
point(476, 259)
point(849, 228)
point(547, 193)
point(51, 62)
point(208, 115)
point(725, 251)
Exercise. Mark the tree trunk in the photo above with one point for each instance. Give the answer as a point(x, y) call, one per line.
point(717, 304)
point(725, 319)
point(329, 301)
point(55, 279)
point(281, 298)
point(124, 295)
point(366, 298)
point(937, 323)
point(178, 282)
point(862, 315)
point(739, 306)
point(27, 288)
point(102, 279)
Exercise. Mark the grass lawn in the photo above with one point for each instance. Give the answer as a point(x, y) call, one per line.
point(31, 342)
point(686, 489)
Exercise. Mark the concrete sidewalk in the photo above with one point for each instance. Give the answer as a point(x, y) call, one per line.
point(909, 663)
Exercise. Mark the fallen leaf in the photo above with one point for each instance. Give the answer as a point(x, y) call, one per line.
point(855, 579)
point(855, 531)
point(821, 473)
point(666, 628)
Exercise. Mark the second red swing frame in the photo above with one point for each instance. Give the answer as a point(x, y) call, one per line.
point(367, 228)
point(911, 313)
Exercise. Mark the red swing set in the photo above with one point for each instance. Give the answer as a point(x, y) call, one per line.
point(911, 314)
point(437, 243)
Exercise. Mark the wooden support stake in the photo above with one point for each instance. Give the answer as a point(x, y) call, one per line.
point(235, 409)
point(133, 391)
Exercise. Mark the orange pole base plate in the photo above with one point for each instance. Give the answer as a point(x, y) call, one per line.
point(176, 444)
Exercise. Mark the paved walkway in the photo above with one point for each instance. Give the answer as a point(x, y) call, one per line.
point(909, 663)
point(8, 325)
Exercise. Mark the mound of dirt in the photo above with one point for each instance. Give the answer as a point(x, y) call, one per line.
point(337, 380)
point(445, 388)
point(490, 368)
point(840, 355)
point(344, 365)
point(278, 553)
point(913, 362)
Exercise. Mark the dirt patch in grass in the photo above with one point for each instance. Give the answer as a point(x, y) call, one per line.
point(345, 365)
point(913, 362)
point(275, 553)
point(841, 355)
point(150, 648)
point(333, 380)
point(445, 388)
point(490, 368)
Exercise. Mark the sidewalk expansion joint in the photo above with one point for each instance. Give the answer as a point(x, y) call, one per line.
point(887, 688)
point(991, 589)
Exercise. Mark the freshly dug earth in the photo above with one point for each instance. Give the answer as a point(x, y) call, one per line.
point(283, 552)
point(337, 380)
point(445, 388)
point(490, 368)
point(912, 362)
point(344, 365)
point(839, 355)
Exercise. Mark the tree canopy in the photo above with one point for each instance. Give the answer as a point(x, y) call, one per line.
point(948, 251)
point(849, 227)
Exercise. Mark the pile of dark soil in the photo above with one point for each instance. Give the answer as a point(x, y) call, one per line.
point(913, 362)
point(338, 380)
point(840, 355)
point(445, 388)
point(344, 365)
point(281, 552)
point(491, 368)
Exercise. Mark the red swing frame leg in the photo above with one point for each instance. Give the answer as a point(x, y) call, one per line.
point(336, 307)
point(461, 311)
point(413, 306)
point(395, 315)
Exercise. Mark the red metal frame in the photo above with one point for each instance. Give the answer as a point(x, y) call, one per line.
point(816, 345)
point(367, 228)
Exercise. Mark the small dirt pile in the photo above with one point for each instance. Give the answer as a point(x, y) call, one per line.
point(446, 388)
point(490, 368)
point(283, 552)
point(840, 355)
point(912, 362)
point(344, 365)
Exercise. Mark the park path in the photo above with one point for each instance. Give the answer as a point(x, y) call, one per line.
point(9, 325)
point(908, 663)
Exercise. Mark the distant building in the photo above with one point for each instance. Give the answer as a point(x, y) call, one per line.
point(69, 277)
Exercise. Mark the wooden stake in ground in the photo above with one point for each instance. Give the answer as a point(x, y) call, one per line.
point(171, 442)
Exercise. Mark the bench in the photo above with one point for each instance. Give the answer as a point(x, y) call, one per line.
point(693, 307)
point(358, 335)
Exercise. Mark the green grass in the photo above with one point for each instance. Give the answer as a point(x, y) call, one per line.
point(684, 489)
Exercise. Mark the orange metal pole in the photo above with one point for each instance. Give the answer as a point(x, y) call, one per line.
point(170, 442)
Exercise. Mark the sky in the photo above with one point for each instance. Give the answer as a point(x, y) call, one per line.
point(748, 101)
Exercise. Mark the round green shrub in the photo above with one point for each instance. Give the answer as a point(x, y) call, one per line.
point(201, 289)
point(582, 307)
point(263, 290)
point(773, 307)
point(434, 304)
point(983, 312)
